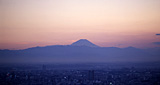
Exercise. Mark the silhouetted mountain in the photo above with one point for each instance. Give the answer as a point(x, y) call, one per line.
point(80, 51)
point(84, 42)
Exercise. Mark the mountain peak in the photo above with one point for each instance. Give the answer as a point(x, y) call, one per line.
point(84, 42)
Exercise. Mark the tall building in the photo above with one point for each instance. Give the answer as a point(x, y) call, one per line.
point(44, 67)
point(91, 75)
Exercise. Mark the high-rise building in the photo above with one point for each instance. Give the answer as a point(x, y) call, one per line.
point(91, 75)
point(44, 67)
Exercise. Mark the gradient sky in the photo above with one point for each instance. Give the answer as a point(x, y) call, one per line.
point(120, 23)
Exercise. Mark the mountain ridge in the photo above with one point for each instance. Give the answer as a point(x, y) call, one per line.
point(82, 53)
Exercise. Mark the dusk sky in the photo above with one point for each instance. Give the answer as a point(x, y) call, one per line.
point(107, 23)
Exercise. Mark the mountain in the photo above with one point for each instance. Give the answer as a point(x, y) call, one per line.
point(80, 51)
point(83, 42)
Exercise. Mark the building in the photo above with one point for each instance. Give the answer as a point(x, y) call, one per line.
point(91, 75)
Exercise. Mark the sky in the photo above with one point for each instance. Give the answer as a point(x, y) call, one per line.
point(107, 23)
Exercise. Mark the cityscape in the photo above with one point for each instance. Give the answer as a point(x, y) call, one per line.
point(79, 42)
point(78, 74)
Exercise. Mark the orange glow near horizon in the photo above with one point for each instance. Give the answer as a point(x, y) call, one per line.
point(107, 23)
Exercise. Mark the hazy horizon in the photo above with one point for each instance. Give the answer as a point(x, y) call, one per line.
point(79, 46)
point(79, 42)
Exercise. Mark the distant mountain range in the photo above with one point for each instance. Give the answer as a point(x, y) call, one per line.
point(80, 51)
